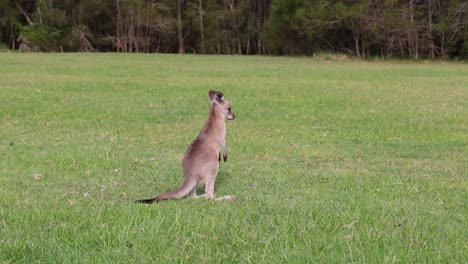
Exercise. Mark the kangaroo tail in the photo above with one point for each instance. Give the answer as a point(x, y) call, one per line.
point(181, 192)
point(146, 201)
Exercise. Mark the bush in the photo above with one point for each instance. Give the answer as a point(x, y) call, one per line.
point(4, 47)
point(324, 56)
point(44, 38)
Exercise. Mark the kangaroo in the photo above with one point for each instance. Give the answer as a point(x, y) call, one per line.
point(201, 161)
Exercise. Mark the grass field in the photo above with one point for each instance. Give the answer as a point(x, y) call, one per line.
point(332, 162)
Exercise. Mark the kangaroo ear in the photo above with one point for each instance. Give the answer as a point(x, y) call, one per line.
point(217, 97)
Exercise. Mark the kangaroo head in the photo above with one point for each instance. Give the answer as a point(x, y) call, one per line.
point(221, 105)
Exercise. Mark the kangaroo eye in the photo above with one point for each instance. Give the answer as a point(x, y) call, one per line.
point(229, 109)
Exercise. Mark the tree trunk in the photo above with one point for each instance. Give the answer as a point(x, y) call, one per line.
point(130, 36)
point(39, 14)
point(356, 44)
point(118, 27)
point(431, 40)
point(442, 44)
point(157, 48)
point(259, 44)
point(24, 14)
point(412, 34)
point(136, 31)
point(12, 36)
point(180, 36)
point(200, 6)
point(147, 31)
point(236, 41)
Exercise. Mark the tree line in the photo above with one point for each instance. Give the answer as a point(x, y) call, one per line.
point(363, 28)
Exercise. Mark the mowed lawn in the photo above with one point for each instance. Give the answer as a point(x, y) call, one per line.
point(331, 162)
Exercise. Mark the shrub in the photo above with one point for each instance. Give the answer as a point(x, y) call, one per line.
point(44, 38)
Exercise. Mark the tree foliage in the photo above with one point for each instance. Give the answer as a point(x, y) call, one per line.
point(387, 28)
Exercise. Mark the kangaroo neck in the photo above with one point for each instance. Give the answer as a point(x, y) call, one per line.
point(215, 124)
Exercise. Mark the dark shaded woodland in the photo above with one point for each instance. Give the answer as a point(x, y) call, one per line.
point(363, 28)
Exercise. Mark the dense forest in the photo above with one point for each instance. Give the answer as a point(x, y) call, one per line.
point(363, 28)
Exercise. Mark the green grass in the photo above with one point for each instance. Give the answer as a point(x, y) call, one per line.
point(332, 162)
